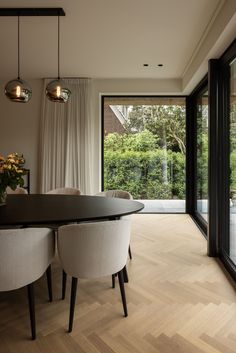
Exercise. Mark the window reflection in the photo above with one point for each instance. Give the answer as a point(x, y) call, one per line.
point(232, 243)
point(202, 155)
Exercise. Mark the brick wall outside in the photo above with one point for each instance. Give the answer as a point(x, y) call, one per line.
point(111, 122)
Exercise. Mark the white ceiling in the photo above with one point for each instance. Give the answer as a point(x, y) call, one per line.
point(108, 38)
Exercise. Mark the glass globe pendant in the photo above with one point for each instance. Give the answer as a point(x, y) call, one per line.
point(56, 90)
point(18, 90)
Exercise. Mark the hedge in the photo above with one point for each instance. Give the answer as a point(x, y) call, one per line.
point(157, 174)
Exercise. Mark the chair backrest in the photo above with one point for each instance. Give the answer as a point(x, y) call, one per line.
point(25, 255)
point(121, 194)
point(65, 191)
point(18, 190)
point(96, 249)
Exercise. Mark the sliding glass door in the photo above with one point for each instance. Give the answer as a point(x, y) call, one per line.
point(202, 155)
point(198, 153)
point(232, 195)
point(227, 160)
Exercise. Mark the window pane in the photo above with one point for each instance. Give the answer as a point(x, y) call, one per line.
point(202, 155)
point(144, 150)
point(232, 247)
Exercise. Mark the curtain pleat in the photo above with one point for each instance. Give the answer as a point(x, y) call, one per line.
point(66, 140)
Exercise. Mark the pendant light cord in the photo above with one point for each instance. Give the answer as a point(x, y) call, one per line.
point(58, 39)
point(18, 47)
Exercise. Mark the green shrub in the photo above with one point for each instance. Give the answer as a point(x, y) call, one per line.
point(157, 174)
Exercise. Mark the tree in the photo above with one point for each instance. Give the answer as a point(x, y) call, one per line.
point(166, 122)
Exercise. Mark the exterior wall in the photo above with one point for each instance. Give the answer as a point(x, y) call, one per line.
point(112, 123)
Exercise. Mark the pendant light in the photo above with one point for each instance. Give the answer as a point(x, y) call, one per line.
point(56, 90)
point(18, 90)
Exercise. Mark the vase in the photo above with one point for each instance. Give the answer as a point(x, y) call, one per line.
point(3, 197)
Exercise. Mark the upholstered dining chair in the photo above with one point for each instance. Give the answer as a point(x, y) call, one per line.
point(18, 190)
point(65, 191)
point(25, 256)
point(93, 250)
point(121, 194)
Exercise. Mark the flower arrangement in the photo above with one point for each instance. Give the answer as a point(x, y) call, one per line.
point(11, 173)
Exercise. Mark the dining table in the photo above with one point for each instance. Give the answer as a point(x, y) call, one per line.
point(46, 209)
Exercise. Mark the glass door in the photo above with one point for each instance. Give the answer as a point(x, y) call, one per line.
point(227, 168)
point(232, 197)
point(202, 156)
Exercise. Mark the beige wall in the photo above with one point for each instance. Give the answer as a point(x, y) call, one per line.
point(19, 128)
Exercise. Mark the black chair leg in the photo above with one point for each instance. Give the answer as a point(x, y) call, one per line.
point(122, 291)
point(130, 254)
point(30, 288)
point(113, 281)
point(49, 282)
point(125, 273)
point(64, 278)
point(72, 302)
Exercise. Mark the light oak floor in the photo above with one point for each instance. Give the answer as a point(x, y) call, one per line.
point(179, 301)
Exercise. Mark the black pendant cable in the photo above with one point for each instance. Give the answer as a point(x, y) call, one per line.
point(56, 90)
point(18, 90)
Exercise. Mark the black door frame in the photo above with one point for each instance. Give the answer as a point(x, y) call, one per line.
point(222, 241)
point(192, 155)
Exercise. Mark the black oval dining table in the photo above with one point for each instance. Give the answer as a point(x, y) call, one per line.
point(46, 209)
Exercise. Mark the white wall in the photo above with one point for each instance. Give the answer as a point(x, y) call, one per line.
point(19, 128)
point(215, 40)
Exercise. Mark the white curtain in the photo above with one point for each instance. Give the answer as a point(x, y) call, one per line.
point(66, 140)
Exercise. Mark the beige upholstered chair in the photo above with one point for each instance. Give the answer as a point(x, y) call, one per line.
point(120, 194)
point(65, 191)
point(92, 250)
point(25, 254)
point(18, 190)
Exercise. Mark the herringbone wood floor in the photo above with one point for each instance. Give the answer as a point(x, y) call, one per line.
point(179, 301)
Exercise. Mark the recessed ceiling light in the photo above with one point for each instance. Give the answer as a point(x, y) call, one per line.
point(160, 65)
point(145, 64)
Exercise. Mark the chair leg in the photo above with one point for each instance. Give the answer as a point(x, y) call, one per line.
point(122, 291)
point(49, 282)
point(130, 254)
point(64, 278)
point(72, 302)
point(30, 288)
point(125, 273)
point(113, 281)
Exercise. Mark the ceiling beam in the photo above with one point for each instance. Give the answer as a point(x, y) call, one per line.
point(32, 11)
